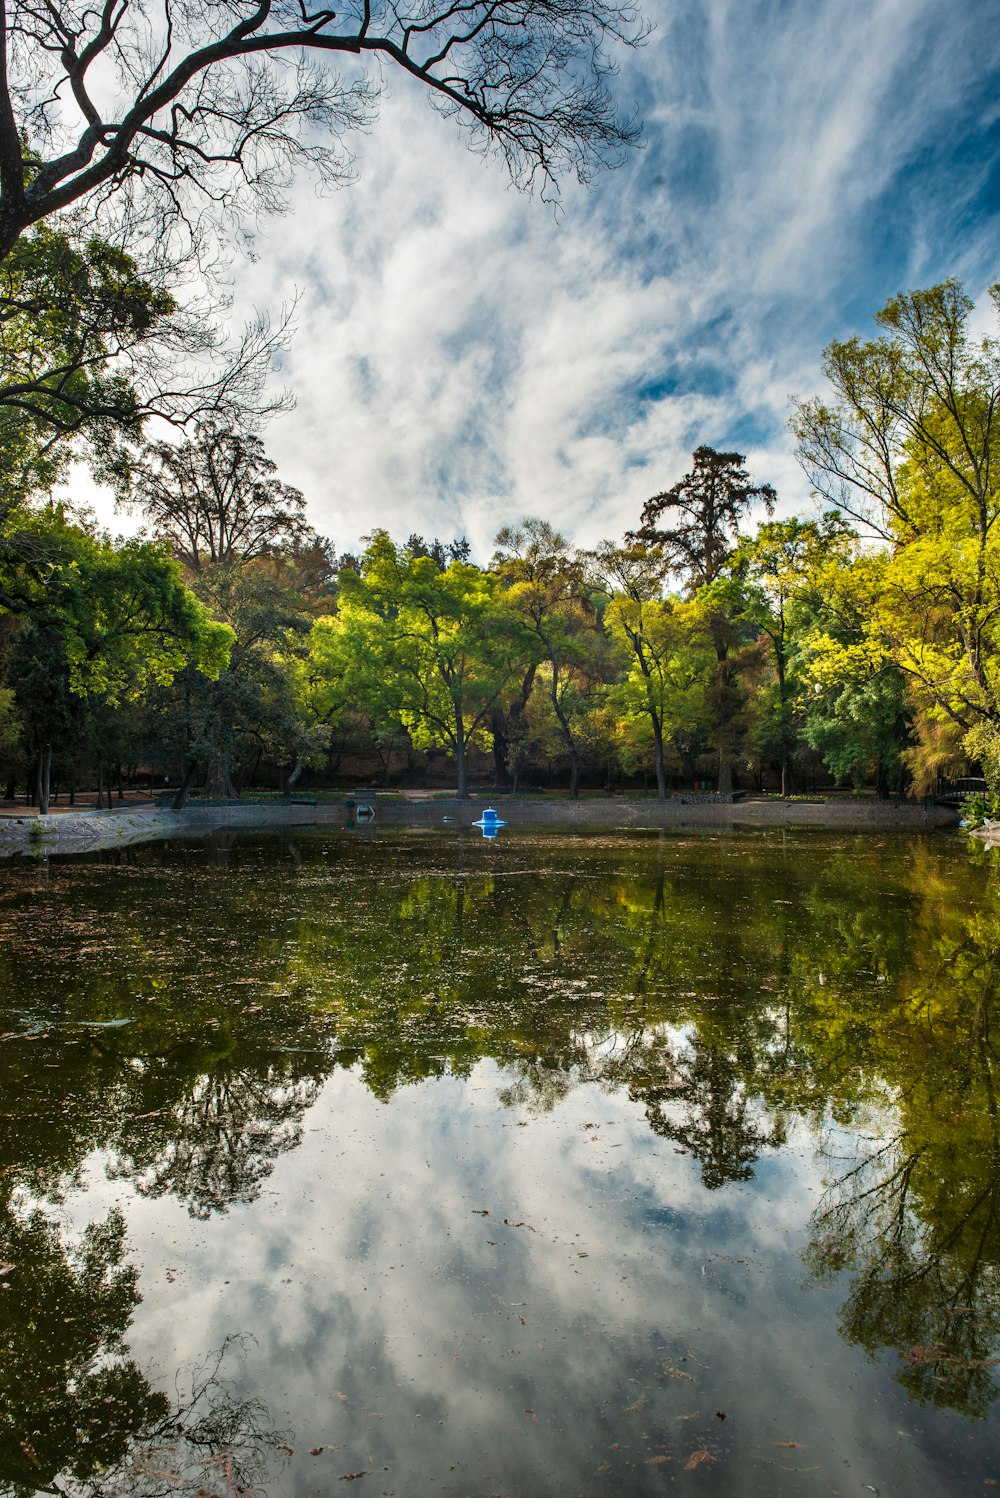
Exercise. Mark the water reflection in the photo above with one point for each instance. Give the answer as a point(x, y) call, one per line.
point(743, 993)
point(77, 1414)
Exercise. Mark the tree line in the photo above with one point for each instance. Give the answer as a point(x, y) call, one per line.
point(233, 643)
point(233, 638)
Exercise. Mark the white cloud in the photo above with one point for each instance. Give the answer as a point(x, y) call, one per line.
point(464, 356)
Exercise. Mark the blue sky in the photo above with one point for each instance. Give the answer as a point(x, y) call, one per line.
point(465, 356)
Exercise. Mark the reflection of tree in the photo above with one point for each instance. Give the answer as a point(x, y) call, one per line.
point(77, 1415)
point(71, 1399)
point(916, 1219)
point(930, 1288)
point(209, 1442)
point(696, 1094)
point(219, 1141)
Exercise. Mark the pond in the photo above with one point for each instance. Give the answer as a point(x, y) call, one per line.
point(595, 1164)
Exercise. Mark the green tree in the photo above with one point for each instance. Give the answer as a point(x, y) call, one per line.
point(90, 345)
point(73, 319)
point(853, 704)
point(696, 526)
point(225, 725)
point(546, 584)
point(696, 523)
point(101, 625)
point(908, 447)
point(782, 561)
point(665, 661)
point(436, 648)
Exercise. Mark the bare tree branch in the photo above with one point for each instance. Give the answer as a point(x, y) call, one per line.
point(225, 101)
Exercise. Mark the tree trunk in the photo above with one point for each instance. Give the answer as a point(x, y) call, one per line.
point(786, 769)
point(460, 765)
point(564, 728)
point(219, 785)
point(182, 791)
point(100, 784)
point(501, 726)
point(44, 778)
point(725, 771)
point(661, 769)
point(293, 777)
point(501, 744)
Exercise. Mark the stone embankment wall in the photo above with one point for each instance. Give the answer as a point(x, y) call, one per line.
point(85, 832)
point(68, 832)
point(679, 811)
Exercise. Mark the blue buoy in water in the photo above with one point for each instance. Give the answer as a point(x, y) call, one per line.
point(489, 822)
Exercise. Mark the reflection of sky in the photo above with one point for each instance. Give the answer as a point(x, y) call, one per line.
point(442, 1349)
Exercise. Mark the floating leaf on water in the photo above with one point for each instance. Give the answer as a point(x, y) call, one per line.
point(696, 1458)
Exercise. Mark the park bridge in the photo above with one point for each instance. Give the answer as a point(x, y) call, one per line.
point(954, 792)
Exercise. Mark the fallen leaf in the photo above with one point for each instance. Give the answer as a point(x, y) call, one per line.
point(352, 1476)
point(696, 1458)
point(657, 1461)
point(788, 1445)
point(288, 1450)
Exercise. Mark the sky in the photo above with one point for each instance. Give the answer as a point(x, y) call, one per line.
point(465, 355)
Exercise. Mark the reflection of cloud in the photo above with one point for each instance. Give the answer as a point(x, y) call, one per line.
point(465, 356)
point(366, 1271)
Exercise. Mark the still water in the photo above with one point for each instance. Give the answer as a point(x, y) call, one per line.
point(613, 1164)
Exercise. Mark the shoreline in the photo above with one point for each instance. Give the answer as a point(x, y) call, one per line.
point(68, 832)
